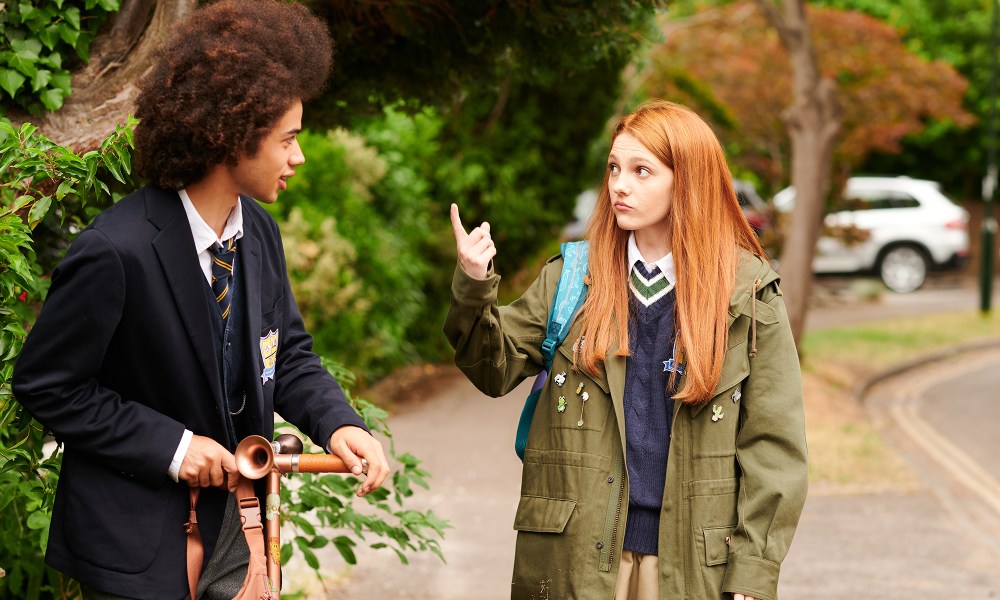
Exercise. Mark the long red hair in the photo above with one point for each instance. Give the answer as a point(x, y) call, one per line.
point(708, 230)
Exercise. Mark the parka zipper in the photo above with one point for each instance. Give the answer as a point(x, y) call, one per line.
point(614, 519)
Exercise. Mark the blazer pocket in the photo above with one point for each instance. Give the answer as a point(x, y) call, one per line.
point(271, 317)
point(543, 515)
point(112, 521)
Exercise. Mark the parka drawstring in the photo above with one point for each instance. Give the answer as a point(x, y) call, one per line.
point(753, 319)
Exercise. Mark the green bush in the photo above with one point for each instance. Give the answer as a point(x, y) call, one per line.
point(354, 223)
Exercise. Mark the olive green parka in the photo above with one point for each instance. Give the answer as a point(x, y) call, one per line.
point(736, 472)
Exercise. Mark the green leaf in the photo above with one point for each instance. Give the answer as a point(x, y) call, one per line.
point(109, 5)
point(41, 79)
point(26, 9)
point(10, 81)
point(29, 46)
point(7, 160)
point(25, 63)
point(347, 553)
point(52, 98)
point(49, 36)
point(54, 60)
point(83, 46)
point(39, 210)
point(307, 552)
point(66, 187)
point(38, 520)
point(72, 16)
point(21, 202)
point(69, 34)
point(62, 81)
point(303, 524)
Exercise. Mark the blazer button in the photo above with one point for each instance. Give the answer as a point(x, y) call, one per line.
point(600, 545)
point(611, 479)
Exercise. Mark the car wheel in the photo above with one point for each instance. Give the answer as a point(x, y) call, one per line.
point(903, 269)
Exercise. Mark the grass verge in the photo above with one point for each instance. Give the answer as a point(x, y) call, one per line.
point(846, 453)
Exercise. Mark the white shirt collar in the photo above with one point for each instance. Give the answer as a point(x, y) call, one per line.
point(204, 236)
point(666, 263)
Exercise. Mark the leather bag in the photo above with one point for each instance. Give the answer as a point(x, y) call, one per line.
point(256, 586)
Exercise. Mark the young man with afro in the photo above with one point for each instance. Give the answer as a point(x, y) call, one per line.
point(170, 331)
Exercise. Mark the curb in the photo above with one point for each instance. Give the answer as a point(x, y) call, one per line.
point(861, 390)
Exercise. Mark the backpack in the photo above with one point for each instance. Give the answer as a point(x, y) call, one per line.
point(570, 294)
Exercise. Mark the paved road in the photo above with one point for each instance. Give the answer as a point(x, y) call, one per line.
point(907, 540)
point(941, 538)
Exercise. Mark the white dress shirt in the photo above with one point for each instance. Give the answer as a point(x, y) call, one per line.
point(665, 263)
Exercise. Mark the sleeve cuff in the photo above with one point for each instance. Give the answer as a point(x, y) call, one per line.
point(469, 291)
point(175, 465)
point(751, 575)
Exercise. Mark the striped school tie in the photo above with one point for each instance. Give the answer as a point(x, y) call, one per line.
point(223, 258)
point(648, 286)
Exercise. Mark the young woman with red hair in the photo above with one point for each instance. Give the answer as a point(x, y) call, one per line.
point(667, 453)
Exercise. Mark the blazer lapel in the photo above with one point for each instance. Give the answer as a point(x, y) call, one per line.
point(250, 253)
point(174, 248)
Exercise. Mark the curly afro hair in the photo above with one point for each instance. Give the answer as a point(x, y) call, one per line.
point(221, 81)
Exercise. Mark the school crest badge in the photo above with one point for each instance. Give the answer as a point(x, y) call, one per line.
point(269, 354)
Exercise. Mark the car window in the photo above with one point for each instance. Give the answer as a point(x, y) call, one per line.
point(881, 200)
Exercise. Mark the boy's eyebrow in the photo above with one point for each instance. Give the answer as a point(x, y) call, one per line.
point(291, 131)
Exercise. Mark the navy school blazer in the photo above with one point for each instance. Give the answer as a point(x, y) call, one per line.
point(121, 361)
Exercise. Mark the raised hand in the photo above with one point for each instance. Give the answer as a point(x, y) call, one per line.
point(475, 248)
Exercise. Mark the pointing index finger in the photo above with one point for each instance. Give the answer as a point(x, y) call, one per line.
point(456, 224)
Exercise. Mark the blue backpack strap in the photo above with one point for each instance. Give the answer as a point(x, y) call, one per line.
point(570, 295)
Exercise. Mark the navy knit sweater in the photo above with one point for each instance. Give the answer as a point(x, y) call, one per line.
point(648, 417)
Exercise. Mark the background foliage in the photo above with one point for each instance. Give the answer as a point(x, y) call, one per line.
point(40, 43)
point(955, 32)
point(732, 66)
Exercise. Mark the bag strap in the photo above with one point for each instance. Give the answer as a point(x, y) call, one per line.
point(195, 548)
point(253, 531)
point(570, 295)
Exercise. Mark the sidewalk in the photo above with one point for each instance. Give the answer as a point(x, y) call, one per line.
point(932, 538)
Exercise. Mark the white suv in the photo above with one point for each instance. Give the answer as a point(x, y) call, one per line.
point(911, 228)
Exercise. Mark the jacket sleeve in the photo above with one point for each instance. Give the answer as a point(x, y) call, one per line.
point(56, 376)
point(498, 346)
point(771, 452)
point(306, 395)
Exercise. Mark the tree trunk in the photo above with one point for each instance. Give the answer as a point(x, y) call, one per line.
point(813, 122)
point(103, 90)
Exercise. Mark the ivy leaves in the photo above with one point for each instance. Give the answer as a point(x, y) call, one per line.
point(39, 39)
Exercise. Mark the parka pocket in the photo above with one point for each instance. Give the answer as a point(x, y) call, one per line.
point(543, 515)
point(717, 545)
